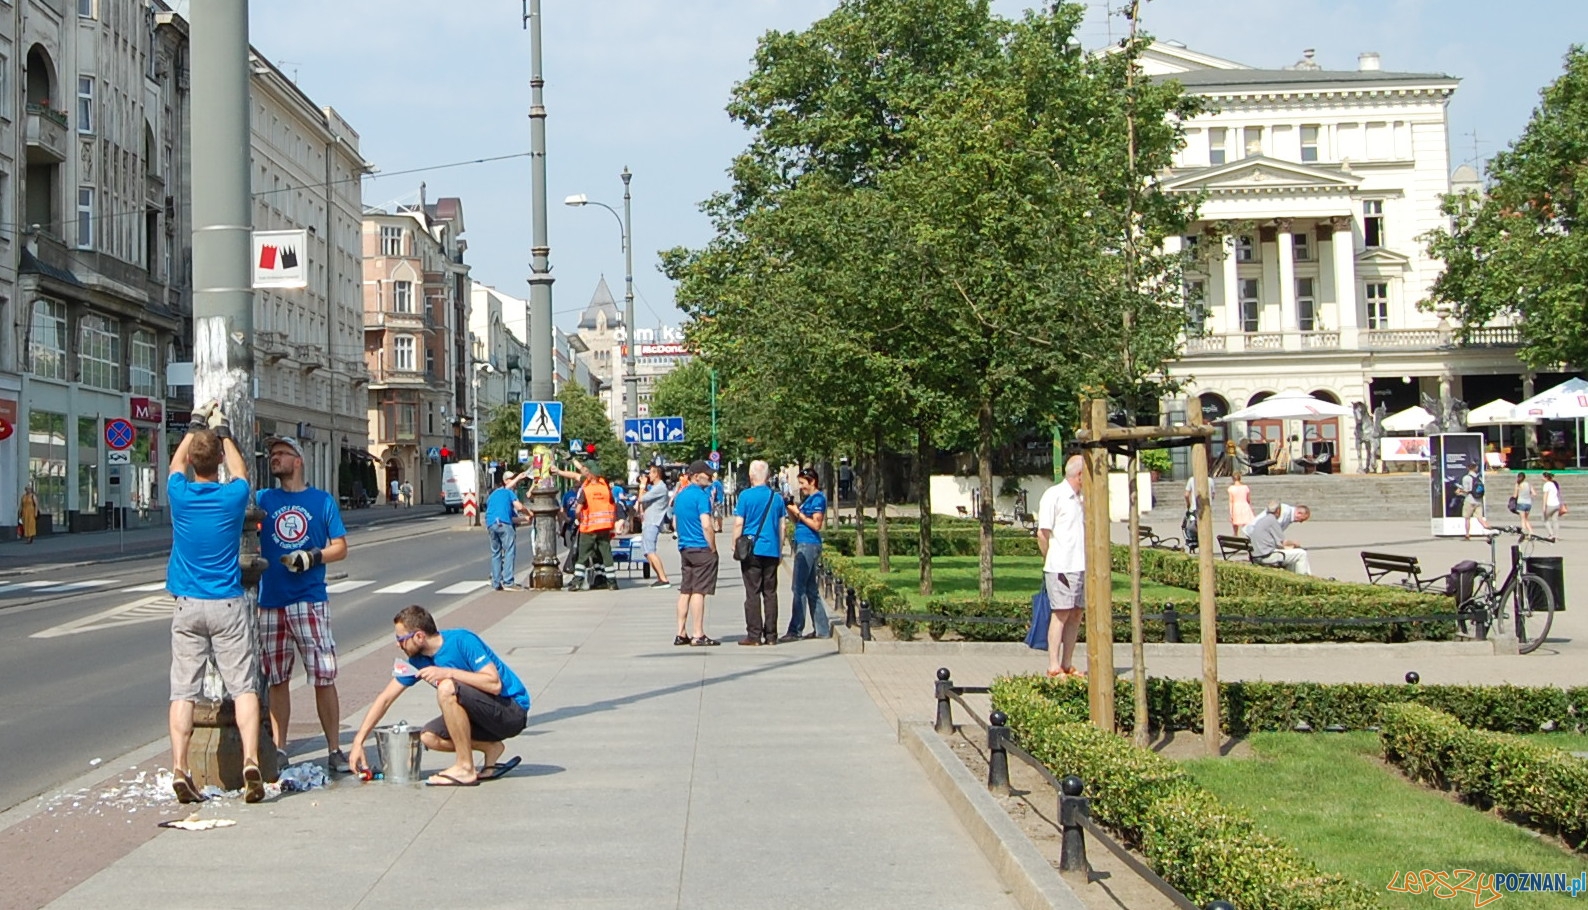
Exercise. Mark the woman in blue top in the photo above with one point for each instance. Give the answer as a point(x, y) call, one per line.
point(808, 516)
point(759, 513)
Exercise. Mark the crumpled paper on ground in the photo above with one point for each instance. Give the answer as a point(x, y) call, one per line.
point(194, 823)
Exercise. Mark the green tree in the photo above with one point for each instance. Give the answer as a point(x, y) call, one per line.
point(584, 418)
point(1520, 251)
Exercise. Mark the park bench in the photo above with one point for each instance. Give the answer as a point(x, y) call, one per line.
point(1146, 536)
point(1380, 565)
point(1229, 545)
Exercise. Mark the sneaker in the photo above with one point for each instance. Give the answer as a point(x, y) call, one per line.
point(514, 586)
point(282, 761)
point(658, 583)
point(337, 762)
point(788, 638)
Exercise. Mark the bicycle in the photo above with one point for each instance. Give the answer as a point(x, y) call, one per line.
point(1528, 597)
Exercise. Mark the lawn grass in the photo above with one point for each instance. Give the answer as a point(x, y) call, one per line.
point(1327, 796)
point(1571, 742)
point(1013, 576)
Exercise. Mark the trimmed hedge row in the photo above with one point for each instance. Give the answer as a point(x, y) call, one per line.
point(1260, 706)
point(1202, 847)
point(1242, 579)
point(905, 540)
point(1538, 785)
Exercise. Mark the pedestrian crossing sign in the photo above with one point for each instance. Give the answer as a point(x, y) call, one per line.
point(542, 422)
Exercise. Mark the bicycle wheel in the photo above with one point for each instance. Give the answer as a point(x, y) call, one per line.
point(1533, 606)
point(1474, 611)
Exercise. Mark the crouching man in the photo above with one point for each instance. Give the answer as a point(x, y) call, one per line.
point(482, 701)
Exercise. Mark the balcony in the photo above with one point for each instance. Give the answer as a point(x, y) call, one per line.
point(1349, 339)
point(46, 134)
point(1405, 339)
point(393, 319)
point(310, 357)
point(414, 379)
point(272, 346)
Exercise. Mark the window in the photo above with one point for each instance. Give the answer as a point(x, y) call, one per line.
point(1196, 310)
point(1301, 244)
point(1377, 297)
point(85, 217)
point(85, 104)
point(402, 296)
point(1309, 143)
point(1191, 247)
point(1373, 222)
point(1251, 305)
point(143, 367)
point(85, 8)
point(403, 349)
point(47, 340)
point(1216, 140)
point(1252, 141)
point(1245, 249)
point(391, 241)
point(98, 352)
point(1307, 305)
point(430, 363)
point(88, 437)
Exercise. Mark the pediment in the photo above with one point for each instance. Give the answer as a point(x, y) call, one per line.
point(1263, 174)
point(1383, 259)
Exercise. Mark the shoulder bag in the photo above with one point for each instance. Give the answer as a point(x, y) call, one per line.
point(744, 544)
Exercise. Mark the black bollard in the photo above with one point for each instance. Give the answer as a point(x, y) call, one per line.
point(1221, 905)
point(943, 688)
point(1413, 679)
point(997, 755)
point(1171, 624)
point(1073, 807)
point(849, 607)
point(865, 620)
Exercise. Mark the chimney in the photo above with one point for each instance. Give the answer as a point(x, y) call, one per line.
point(1367, 62)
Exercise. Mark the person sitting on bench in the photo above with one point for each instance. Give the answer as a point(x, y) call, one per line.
point(1270, 548)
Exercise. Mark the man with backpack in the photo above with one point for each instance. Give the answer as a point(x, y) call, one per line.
point(1470, 486)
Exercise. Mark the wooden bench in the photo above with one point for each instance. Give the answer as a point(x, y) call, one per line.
point(1146, 536)
point(1380, 565)
point(1229, 545)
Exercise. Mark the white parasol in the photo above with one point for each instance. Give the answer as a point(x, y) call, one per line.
point(1414, 419)
point(1497, 413)
point(1289, 406)
point(1567, 401)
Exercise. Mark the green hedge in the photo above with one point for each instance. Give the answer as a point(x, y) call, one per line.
point(1202, 847)
point(1541, 786)
point(1259, 706)
point(904, 539)
point(1233, 578)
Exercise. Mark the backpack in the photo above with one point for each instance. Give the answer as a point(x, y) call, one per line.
point(1477, 486)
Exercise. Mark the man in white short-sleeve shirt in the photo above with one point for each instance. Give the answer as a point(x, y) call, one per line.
point(1061, 536)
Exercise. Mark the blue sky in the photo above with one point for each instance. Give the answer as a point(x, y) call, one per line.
point(642, 84)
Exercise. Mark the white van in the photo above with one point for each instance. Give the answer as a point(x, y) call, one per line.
point(458, 480)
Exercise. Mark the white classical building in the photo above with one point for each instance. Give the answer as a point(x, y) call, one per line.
point(1306, 270)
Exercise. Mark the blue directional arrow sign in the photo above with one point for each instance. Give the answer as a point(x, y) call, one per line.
point(542, 422)
point(653, 430)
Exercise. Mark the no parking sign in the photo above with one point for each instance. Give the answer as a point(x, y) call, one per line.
point(119, 433)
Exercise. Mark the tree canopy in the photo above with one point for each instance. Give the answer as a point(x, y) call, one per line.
point(1520, 250)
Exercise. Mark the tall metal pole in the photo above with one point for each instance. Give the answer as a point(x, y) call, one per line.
point(540, 328)
point(631, 376)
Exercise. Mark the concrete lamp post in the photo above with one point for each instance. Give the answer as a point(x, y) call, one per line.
point(631, 379)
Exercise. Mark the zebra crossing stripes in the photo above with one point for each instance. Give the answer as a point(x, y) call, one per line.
point(403, 587)
point(145, 609)
point(342, 587)
point(463, 587)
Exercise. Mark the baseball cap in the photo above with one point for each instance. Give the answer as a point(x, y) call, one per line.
point(699, 467)
point(287, 441)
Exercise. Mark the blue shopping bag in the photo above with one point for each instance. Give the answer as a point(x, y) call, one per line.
point(1040, 614)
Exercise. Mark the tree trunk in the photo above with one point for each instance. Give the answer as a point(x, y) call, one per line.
point(880, 500)
point(860, 512)
point(923, 470)
point(984, 446)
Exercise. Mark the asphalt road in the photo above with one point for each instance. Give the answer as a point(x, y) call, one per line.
point(84, 673)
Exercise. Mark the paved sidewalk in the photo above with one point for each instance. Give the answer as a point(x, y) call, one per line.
point(653, 776)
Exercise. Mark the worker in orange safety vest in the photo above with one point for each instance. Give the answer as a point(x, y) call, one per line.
point(597, 512)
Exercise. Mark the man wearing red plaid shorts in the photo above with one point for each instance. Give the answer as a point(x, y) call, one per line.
point(302, 531)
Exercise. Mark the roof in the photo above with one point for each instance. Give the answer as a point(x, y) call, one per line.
point(31, 264)
point(601, 303)
point(1310, 79)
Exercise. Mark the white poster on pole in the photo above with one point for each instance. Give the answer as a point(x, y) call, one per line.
point(281, 259)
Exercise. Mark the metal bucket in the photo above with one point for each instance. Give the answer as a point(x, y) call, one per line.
point(400, 751)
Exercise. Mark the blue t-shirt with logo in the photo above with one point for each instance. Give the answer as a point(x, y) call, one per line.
point(761, 508)
point(816, 502)
point(295, 521)
point(206, 529)
point(499, 507)
point(463, 650)
point(688, 507)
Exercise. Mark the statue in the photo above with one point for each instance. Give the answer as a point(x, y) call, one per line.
point(1361, 432)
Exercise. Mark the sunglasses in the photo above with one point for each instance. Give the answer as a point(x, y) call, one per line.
point(404, 638)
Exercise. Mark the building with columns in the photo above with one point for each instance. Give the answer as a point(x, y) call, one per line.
point(1304, 269)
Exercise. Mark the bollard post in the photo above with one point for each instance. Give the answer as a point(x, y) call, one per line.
point(1413, 678)
point(997, 754)
point(849, 607)
point(1073, 807)
point(865, 620)
point(943, 688)
point(1221, 905)
point(1171, 624)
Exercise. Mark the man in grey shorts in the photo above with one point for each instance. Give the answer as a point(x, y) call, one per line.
point(213, 618)
point(1061, 536)
point(697, 550)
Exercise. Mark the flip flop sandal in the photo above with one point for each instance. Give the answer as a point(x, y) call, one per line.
point(500, 769)
point(253, 784)
point(454, 782)
point(1055, 674)
point(182, 786)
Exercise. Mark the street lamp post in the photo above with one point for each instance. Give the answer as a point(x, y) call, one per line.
point(631, 379)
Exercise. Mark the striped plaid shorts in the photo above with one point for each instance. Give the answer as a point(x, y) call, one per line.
point(306, 624)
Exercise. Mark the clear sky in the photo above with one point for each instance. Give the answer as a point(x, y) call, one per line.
point(642, 84)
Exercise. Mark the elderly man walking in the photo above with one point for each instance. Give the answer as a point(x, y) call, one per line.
point(1061, 537)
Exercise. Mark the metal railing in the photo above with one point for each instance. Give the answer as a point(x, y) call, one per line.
point(1075, 811)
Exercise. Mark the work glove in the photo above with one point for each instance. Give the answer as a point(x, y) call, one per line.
point(218, 423)
point(200, 418)
point(302, 560)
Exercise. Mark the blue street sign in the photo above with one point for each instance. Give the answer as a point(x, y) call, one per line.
point(542, 422)
point(653, 430)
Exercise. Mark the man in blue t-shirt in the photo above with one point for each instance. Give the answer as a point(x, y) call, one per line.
point(212, 618)
point(302, 531)
point(500, 509)
point(482, 700)
point(697, 549)
point(719, 499)
point(759, 514)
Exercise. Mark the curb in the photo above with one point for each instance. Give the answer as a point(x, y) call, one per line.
point(1031, 879)
point(850, 642)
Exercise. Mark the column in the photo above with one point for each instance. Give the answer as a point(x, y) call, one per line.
point(1343, 247)
point(1268, 256)
point(1289, 321)
point(1231, 289)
